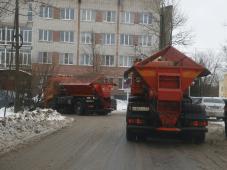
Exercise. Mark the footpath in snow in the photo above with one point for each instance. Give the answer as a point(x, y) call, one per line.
point(18, 128)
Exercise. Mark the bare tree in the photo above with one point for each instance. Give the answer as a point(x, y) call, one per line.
point(40, 75)
point(7, 7)
point(207, 86)
point(94, 50)
point(179, 35)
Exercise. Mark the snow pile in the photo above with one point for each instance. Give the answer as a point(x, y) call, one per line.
point(122, 105)
point(9, 111)
point(17, 128)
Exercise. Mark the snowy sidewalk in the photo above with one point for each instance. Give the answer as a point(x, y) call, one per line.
point(20, 127)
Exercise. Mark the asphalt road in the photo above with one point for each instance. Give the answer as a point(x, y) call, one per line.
point(98, 143)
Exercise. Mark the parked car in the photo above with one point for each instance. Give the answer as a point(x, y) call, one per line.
point(196, 100)
point(214, 107)
point(225, 118)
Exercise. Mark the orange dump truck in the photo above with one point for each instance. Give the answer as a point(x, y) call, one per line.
point(80, 95)
point(159, 103)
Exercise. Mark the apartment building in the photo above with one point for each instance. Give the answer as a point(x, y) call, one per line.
point(223, 87)
point(81, 36)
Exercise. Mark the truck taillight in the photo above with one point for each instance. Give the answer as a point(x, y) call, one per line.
point(199, 123)
point(135, 121)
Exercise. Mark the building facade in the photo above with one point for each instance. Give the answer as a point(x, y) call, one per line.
point(81, 36)
point(223, 87)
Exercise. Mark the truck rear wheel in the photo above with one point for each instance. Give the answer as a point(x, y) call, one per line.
point(130, 136)
point(225, 121)
point(194, 137)
point(199, 137)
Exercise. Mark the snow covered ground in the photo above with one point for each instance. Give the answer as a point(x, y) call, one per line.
point(18, 128)
point(122, 105)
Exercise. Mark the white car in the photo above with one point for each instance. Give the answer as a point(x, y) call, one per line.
point(214, 107)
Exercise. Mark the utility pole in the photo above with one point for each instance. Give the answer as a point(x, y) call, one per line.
point(17, 46)
point(166, 25)
point(161, 34)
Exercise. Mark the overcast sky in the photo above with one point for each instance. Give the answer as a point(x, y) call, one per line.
point(207, 19)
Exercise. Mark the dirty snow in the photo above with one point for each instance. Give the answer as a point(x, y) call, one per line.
point(18, 128)
point(9, 111)
point(122, 105)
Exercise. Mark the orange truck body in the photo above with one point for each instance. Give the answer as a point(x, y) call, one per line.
point(164, 79)
point(79, 89)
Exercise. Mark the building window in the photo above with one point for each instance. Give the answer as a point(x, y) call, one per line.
point(10, 33)
point(146, 18)
point(110, 16)
point(86, 38)
point(46, 12)
point(145, 40)
point(2, 34)
point(108, 60)
point(86, 59)
point(27, 36)
point(124, 84)
point(66, 58)
point(127, 18)
point(108, 39)
point(25, 58)
point(87, 15)
point(10, 57)
point(30, 12)
point(2, 57)
point(126, 61)
point(66, 36)
point(67, 13)
point(126, 39)
point(45, 35)
point(45, 58)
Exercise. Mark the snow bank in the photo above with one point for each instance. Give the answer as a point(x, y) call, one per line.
point(17, 128)
point(9, 111)
point(122, 105)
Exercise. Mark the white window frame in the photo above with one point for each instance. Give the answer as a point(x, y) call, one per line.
point(126, 40)
point(46, 35)
point(107, 61)
point(66, 59)
point(111, 18)
point(25, 58)
point(30, 12)
point(146, 40)
point(1, 34)
point(27, 36)
point(87, 15)
point(108, 38)
point(126, 61)
point(146, 18)
point(84, 58)
point(48, 58)
point(68, 13)
point(86, 38)
point(11, 35)
point(48, 9)
point(68, 36)
point(127, 17)
point(8, 57)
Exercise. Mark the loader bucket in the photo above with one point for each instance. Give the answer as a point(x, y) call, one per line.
point(167, 75)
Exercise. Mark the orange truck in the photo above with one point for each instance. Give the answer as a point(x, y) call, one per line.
point(159, 102)
point(79, 95)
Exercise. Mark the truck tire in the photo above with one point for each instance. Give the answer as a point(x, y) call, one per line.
point(193, 108)
point(79, 108)
point(130, 136)
point(199, 137)
point(104, 113)
point(225, 121)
